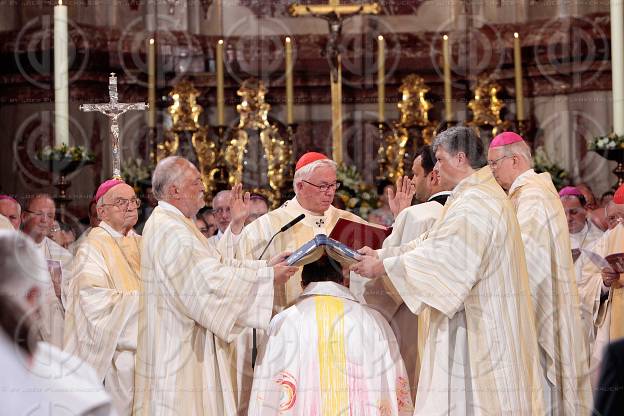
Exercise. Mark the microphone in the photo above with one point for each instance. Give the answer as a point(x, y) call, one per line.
point(254, 346)
point(281, 230)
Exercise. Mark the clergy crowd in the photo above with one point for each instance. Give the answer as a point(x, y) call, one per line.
point(495, 293)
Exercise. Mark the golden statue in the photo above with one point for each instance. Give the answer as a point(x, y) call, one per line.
point(254, 115)
point(185, 114)
point(414, 109)
point(486, 107)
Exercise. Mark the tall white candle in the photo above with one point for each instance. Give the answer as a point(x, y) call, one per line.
point(446, 56)
point(617, 64)
point(220, 86)
point(518, 78)
point(381, 79)
point(289, 83)
point(61, 76)
point(151, 83)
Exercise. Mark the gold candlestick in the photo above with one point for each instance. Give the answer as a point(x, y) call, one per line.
point(289, 83)
point(220, 93)
point(448, 109)
point(518, 76)
point(381, 78)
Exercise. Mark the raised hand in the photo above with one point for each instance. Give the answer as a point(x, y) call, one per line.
point(282, 272)
point(239, 208)
point(403, 197)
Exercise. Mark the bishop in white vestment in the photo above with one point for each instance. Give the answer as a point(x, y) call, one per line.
point(101, 321)
point(554, 293)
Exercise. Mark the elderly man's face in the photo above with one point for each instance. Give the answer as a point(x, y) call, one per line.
point(615, 214)
point(191, 190)
point(575, 213)
point(119, 208)
point(501, 166)
point(221, 209)
point(12, 211)
point(316, 192)
point(38, 218)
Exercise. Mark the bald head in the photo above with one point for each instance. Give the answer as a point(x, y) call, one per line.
point(178, 182)
point(11, 209)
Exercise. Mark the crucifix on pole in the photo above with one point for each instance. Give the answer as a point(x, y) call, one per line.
point(113, 109)
point(335, 14)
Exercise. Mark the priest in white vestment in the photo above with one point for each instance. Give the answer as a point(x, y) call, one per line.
point(602, 291)
point(54, 381)
point(481, 354)
point(582, 231)
point(551, 275)
point(193, 303)
point(315, 185)
point(222, 215)
point(329, 355)
point(37, 219)
point(101, 320)
point(410, 223)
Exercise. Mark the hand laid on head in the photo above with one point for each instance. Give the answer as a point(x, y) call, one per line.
point(282, 272)
point(239, 208)
point(279, 258)
point(609, 276)
point(369, 266)
point(403, 197)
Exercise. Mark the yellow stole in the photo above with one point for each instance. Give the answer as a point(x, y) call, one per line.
point(332, 355)
point(122, 257)
point(615, 244)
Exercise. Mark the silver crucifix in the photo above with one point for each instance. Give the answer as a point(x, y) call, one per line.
point(113, 109)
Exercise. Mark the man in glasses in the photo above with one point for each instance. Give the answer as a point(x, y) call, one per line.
point(103, 296)
point(552, 280)
point(37, 221)
point(315, 184)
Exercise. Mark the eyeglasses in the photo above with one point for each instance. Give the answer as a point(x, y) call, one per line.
point(324, 187)
point(122, 203)
point(492, 163)
point(40, 214)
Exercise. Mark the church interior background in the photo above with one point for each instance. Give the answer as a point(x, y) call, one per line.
point(244, 87)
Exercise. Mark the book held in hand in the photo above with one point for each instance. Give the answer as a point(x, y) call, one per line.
point(357, 235)
point(319, 245)
point(615, 261)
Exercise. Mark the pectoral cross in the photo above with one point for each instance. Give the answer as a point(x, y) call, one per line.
point(113, 109)
point(335, 14)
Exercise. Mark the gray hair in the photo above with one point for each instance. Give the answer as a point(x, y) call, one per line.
point(306, 171)
point(167, 173)
point(521, 149)
point(465, 140)
point(221, 194)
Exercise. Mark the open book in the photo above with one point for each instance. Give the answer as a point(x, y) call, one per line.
point(614, 261)
point(357, 235)
point(319, 245)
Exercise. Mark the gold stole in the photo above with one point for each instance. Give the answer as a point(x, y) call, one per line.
point(332, 355)
point(122, 257)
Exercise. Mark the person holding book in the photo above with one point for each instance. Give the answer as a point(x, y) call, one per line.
point(469, 271)
point(329, 355)
point(602, 290)
point(315, 184)
point(554, 293)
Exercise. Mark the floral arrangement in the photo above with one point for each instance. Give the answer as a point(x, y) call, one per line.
point(358, 196)
point(135, 171)
point(542, 163)
point(64, 152)
point(608, 142)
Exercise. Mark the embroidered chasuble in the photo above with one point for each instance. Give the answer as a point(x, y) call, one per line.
point(480, 355)
point(410, 329)
point(101, 322)
point(329, 355)
point(194, 304)
point(554, 293)
point(608, 315)
point(52, 310)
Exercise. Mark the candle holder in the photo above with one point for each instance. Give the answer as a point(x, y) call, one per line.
point(221, 177)
point(616, 155)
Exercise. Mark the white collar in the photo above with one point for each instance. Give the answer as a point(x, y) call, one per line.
point(168, 207)
point(439, 194)
point(114, 233)
point(327, 289)
point(294, 203)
